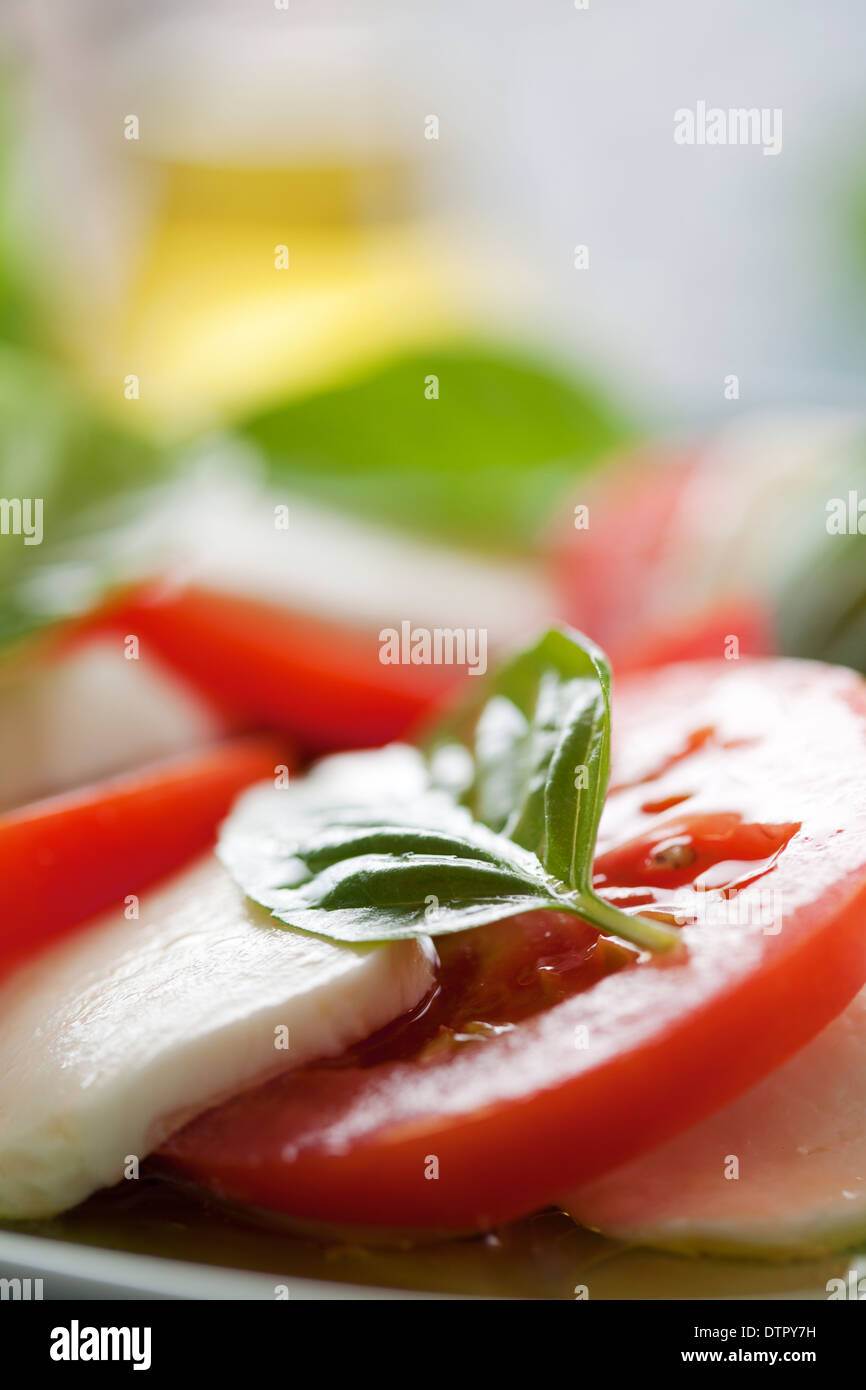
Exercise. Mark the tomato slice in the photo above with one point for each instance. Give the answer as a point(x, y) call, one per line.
point(618, 577)
point(66, 858)
point(319, 682)
point(705, 633)
point(739, 787)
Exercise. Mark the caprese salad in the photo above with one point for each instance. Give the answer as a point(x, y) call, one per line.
point(561, 947)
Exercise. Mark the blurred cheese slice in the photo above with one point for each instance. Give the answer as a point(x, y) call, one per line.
point(89, 714)
point(121, 1034)
point(214, 527)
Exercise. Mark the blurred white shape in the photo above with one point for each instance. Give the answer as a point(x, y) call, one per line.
point(217, 527)
point(91, 714)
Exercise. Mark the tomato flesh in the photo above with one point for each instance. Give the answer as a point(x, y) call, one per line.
point(488, 981)
point(760, 768)
point(64, 859)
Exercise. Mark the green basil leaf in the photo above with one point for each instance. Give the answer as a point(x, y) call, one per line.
point(536, 743)
point(483, 465)
point(541, 717)
point(324, 861)
point(577, 777)
point(381, 897)
point(374, 846)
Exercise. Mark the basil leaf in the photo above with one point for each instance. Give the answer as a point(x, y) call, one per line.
point(483, 465)
point(324, 861)
point(383, 897)
point(375, 846)
point(542, 716)
point(536, 740)
point(577, 777)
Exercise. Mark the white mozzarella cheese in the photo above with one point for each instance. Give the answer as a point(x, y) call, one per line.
point(123, 1032)
point(91, 714)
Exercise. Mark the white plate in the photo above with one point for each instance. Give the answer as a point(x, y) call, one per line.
point(85, 1271)
point(75, 1271)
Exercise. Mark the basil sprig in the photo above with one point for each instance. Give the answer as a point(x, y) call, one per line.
point(496, 815)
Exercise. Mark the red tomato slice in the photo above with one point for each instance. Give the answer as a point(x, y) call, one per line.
point(617, 578)
point(319, 682)
point(748, 778)
point(706, 633)
point(64, 859)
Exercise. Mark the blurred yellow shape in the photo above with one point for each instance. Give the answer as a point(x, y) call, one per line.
point(211, 325)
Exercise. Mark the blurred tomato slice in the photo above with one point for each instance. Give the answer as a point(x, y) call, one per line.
point(618, 576)
point(64, 859)
point(320, 682)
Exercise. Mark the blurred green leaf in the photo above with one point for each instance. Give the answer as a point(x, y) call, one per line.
point(482, 465)
point(19, 315)
point(54, 446)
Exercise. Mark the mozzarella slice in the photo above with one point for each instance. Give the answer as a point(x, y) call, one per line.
point(214, 528)
point(90, 714)
point(778, 1173)
point(118, 1036)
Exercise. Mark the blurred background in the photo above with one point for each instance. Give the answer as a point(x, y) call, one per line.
point(261, 125)
point(431, 277)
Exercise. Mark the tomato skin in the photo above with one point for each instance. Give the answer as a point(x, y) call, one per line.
point(64, 859)
point(318, 682)
point(527, 1115)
